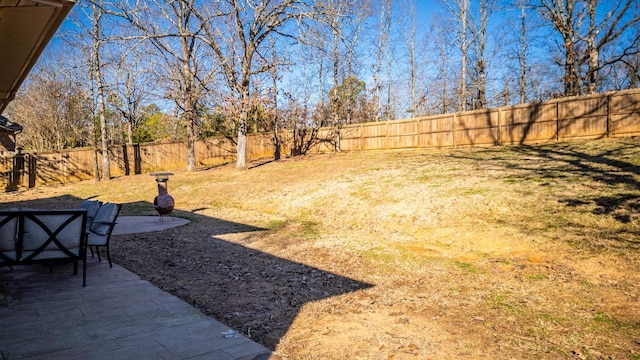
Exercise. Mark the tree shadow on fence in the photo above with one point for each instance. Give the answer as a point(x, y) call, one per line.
point(307, 139)
point(256, 293)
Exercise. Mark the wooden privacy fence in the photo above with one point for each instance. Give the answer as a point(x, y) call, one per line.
point(587, 117)
point(615, 114)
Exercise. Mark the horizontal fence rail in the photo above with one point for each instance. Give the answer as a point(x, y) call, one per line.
point(614, 114)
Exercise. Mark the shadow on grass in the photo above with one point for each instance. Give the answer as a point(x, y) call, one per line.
point(252, 291)
point(563, 162)
point(608, 172)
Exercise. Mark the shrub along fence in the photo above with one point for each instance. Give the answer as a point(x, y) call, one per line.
point(615, 114)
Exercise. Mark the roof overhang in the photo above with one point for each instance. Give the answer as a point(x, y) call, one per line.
point(26, 27)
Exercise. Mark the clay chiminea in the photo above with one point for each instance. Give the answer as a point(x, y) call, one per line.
point(163, 202)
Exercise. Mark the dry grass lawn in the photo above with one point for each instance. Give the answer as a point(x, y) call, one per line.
point(507, 252)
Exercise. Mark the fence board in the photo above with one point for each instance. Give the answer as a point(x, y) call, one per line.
point(436, 140)
point(435, 124)
point(528, 133)
point(478, 120)
point(528, 114)
point(374, 130)
point(376, 143)
point(582, 128)
point(350, 138)
point(476, 137)
point(625, 124)
point(402, 134)
point(582, 107)
point(325, 143)
point(6, 166)
point(213, 152)
point(625, 103)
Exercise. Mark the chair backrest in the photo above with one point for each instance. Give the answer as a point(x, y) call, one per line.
point(9, 230)
point(105, 219)
point(92, 207)
point(39, 235)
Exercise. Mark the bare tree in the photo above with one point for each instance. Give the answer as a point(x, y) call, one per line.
point(173, 29)
point(460, 11)
point(313, 52)
point(440, 38)
point(388, 112)
point(603, 32)
point(411, 47)
point(478, 30)
point(343, 19)
point(629, 65)
point(132, 91)
point(274, 94)
point(52, 108)
point(97, 38)
point(566, 17)
point(523, 51)
point(247, 26)
point(586, 34)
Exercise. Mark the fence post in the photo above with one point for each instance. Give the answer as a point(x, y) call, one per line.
point(499, 126)
point(386, 135)
point(32, 170)
point(557, 121)
point(15, 176)
point(454, 118)
point(608, 98)
point(417, 121)
point(125, 160)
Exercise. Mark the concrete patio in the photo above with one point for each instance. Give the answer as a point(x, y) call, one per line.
point(48, 315)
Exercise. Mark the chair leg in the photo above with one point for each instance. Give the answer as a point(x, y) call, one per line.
point(98, 252)
point(84, 268)
point(109, 257)
point(91, 250)
point(84, 271)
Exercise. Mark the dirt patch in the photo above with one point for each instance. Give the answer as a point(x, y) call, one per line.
point(524, 252)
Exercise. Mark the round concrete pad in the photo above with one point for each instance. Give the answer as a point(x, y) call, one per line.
point(142, 224)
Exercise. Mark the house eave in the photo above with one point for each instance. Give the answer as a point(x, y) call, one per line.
point(26, 27)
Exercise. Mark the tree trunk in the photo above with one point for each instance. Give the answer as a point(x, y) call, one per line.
point(382, 35)
point(334, 95)
point(190, 102)
point(320, 92)
point(274, 92)
point(97, 75)
point(241, 156)
point(592, 51)
point(241, 150)
point(571, 79)
point(412, 57)
point(106, 167)
point(482, 86)
point(96, 165)
point(564, 18)
point(387, 29)
point(130, 132)
point(523, 55)
point(462, 101)
point(481, 102)
point(192, 121)
point(336, 63)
